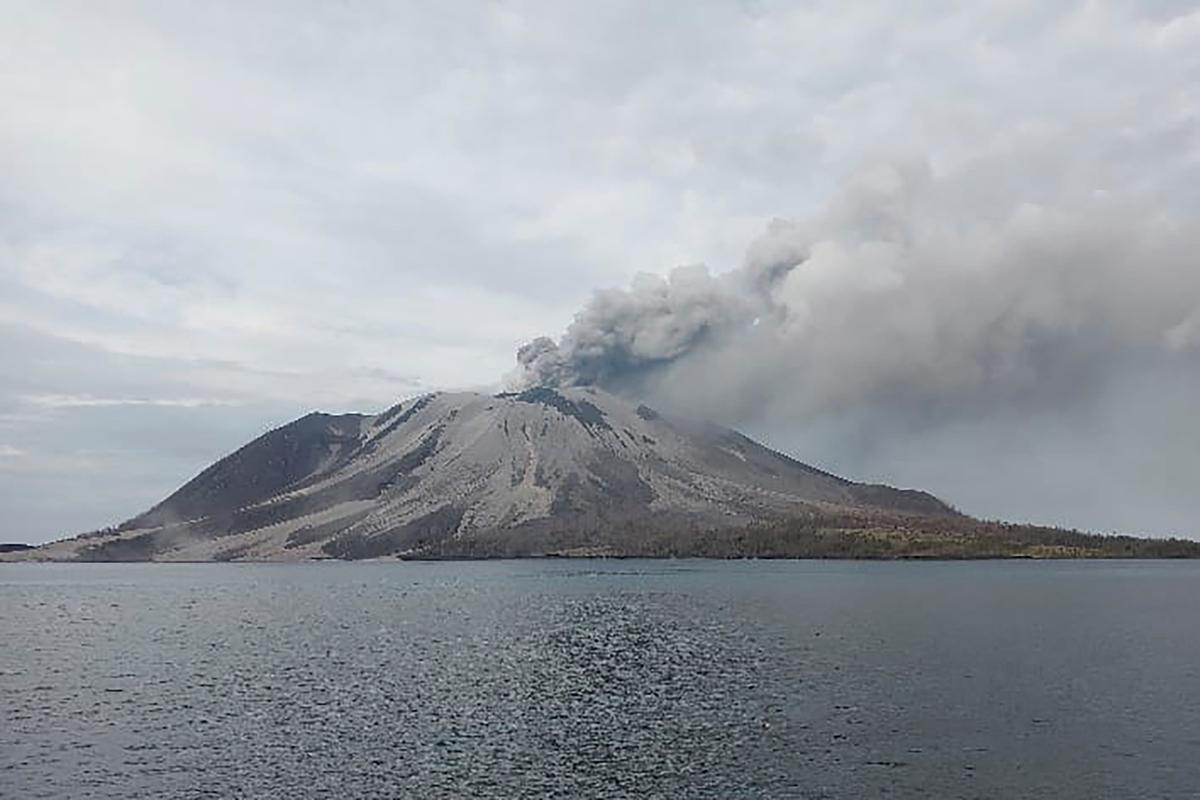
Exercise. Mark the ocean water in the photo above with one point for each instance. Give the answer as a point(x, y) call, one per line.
point(577, 679)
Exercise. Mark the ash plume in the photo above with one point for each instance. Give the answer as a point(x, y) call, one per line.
point(894, 288)
point(623, 334)
point(914, 303)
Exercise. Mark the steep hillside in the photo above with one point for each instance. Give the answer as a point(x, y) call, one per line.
point(528, 473)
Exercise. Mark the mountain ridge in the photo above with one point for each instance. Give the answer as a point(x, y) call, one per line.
point(543, 464)
point(547, 472)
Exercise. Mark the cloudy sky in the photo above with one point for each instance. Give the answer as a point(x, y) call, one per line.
point(953, 247)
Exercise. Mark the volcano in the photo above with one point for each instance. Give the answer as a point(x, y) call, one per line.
point(538, 472)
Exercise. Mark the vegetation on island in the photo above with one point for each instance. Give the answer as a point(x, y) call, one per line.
point(816, 534)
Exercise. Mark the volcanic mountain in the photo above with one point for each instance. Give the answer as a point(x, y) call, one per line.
point(537, 472)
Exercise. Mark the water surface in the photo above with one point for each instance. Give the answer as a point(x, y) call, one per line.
point(601, 679)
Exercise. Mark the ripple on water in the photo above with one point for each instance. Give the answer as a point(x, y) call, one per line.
point(596, 680)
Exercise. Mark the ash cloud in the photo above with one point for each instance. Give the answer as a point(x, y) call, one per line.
point(623, 335)
point(918, 307)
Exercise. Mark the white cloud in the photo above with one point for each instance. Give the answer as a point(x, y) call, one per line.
point(89, 401)
point(331, 205)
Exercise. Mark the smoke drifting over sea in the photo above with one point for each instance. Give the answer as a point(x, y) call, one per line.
point(892, 289)
point(914, 304)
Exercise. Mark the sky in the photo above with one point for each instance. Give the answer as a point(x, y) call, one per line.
point(942, 245)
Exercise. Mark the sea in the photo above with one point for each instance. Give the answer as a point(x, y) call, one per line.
point(601, 679)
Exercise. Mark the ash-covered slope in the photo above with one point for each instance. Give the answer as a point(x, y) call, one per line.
point(539, 471)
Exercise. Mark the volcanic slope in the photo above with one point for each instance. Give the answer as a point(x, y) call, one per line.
point(531, 473)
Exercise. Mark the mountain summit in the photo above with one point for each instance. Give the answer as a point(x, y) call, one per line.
point(536, 472)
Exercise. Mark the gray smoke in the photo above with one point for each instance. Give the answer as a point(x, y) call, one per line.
point(622, 335)
point(893, 289)
point(913, 305)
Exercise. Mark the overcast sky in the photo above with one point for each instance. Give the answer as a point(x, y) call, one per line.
point(217, 216)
